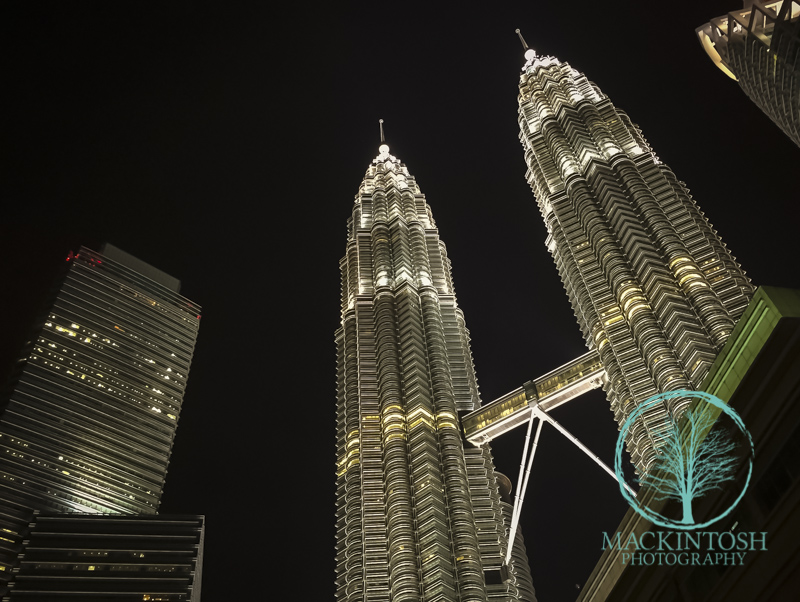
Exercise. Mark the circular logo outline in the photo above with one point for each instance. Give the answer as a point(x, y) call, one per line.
point(651, 515)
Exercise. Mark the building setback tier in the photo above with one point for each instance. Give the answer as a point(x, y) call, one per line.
point(104, 558)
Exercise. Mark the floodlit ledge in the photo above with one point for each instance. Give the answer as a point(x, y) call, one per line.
point(609, 568)
point(750, 336)
point(769, 305)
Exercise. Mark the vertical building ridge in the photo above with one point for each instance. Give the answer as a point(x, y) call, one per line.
point(418, 515)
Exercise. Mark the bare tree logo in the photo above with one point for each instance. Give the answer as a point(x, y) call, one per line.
point(692, 460)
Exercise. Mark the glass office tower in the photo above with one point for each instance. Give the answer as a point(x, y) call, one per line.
point(654, 289)
point(89, 420)
point(419, 512)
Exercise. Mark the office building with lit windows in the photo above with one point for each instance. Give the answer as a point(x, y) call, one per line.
point(655, 291)
point(421, 513)
point(88, 422)
point(759, 46)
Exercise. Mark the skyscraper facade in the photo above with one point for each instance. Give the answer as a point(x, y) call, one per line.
point(419, 512)
point(89, 420)
point(759, 46)
point(654, 289)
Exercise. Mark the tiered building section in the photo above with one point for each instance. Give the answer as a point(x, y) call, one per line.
point(419, 513)
point(655, 291)
point(759, 46)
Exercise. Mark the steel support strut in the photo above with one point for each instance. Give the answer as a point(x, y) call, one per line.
point(519, 497)
point(542, 415)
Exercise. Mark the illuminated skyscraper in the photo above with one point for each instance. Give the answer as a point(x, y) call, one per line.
point(419, 512)
point(759, 46)
point(655, 291)
point(90, 417)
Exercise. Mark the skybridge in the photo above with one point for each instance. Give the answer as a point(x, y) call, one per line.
point(535, 399)
point(549, 391)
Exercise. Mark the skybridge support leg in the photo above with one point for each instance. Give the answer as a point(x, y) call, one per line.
point(525, 470)
point(520, 494)
point(542, 415)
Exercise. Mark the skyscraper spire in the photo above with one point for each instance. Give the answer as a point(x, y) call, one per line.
point(383, 149)
point(419, 513)
point(654, 289)
point(530, 53)
point(521, 39)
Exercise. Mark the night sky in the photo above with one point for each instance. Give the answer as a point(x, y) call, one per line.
point(225, 147)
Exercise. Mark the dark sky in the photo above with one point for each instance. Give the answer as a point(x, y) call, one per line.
point(225, 147)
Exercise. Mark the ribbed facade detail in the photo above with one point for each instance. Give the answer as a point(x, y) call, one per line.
point(90, 419)
point(759, 46)
point(493, 522)
point(417, 514)
point(654, 289)
point(104, 558)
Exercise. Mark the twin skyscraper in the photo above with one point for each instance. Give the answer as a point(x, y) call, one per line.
point(421, 513)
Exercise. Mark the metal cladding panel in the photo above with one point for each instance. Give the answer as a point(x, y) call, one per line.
point(102, 557)
point(418, 515)
point(655, 291)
